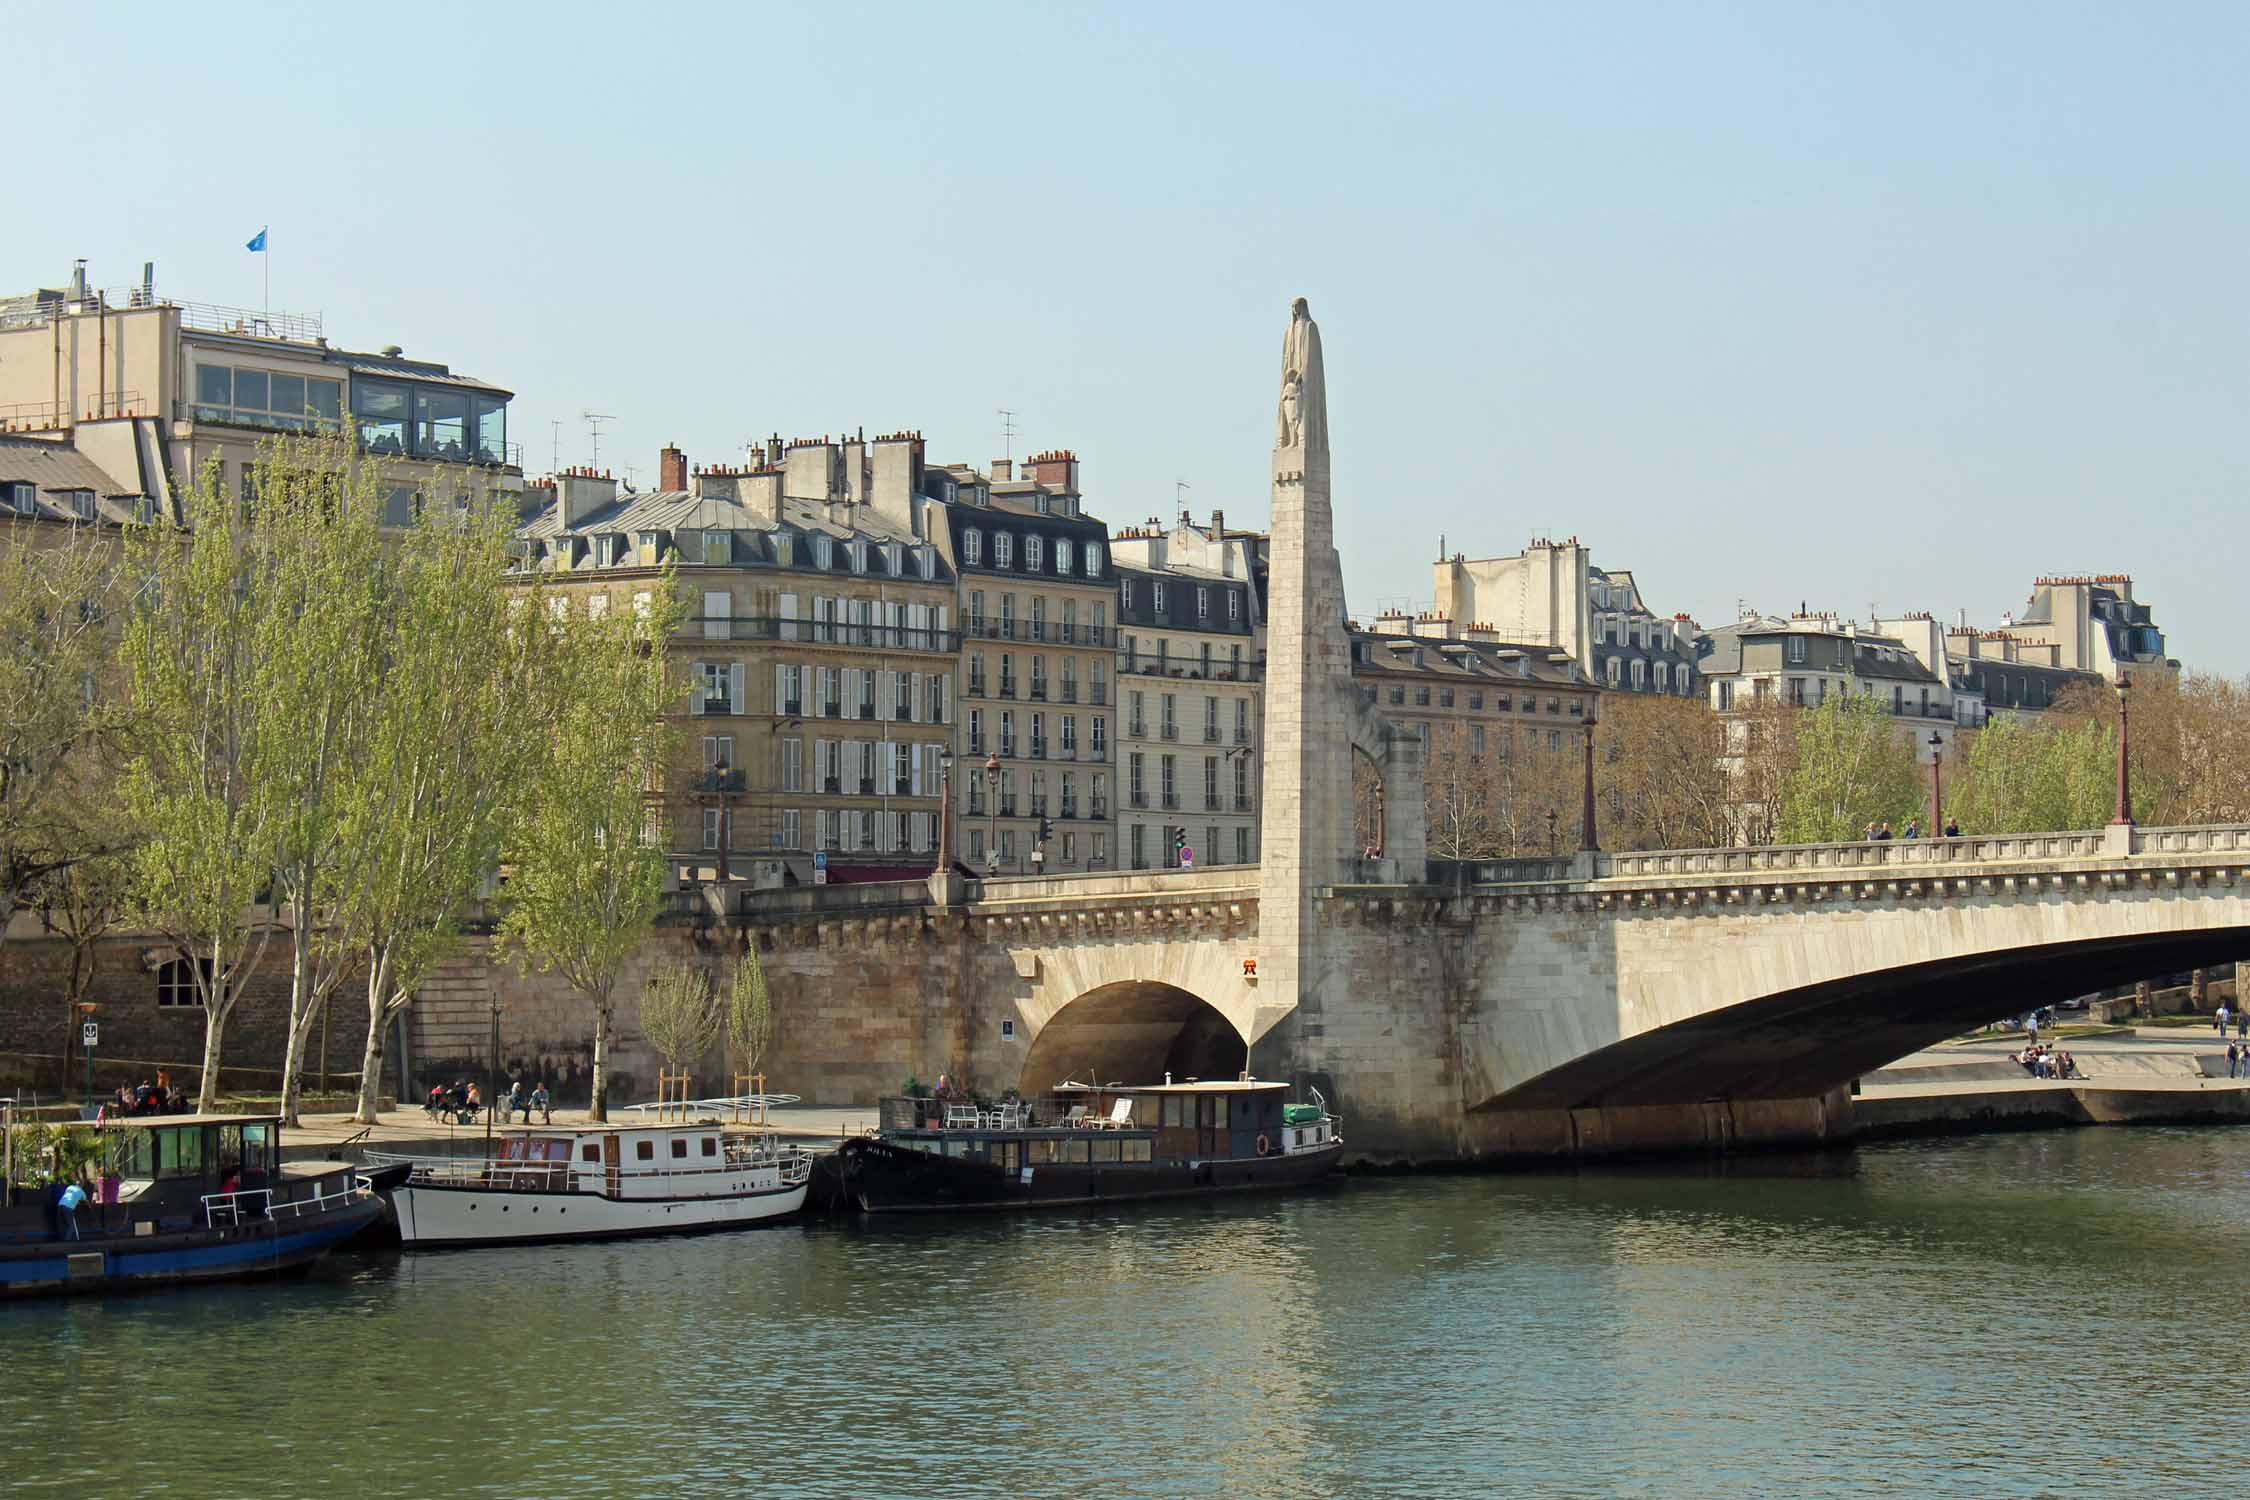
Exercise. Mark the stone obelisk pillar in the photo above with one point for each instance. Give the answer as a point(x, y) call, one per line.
point(1307, 820)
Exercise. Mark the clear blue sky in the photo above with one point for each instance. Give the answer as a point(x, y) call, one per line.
point(1843, 304)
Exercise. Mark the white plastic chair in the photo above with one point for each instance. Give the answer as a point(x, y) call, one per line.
point(1120, 1116)
point(961, 1117)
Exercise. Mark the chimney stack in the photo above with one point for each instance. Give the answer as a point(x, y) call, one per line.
point(1003, 470)
point(671, 468)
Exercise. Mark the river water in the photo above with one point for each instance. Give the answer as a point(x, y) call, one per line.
point(2054, 1314)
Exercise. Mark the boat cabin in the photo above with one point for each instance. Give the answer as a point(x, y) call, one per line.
point(1091, 1125)
point(165, 1173)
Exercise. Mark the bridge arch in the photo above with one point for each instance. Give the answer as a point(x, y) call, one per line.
point(1805, 1039)
point(1134, 1031)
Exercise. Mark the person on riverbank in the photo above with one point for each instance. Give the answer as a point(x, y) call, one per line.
point(2234, 1060)
point(539, 1101)
point(2219, 1019)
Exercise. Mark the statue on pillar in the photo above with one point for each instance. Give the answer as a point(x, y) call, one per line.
point(1302, 420)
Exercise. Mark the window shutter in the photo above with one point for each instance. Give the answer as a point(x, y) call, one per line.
point(736, 699)
point(913, 696)
point(786, 631)
point(695, 687)
point(780, 689)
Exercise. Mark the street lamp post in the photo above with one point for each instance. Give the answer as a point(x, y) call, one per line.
point(2124, 818)
point(1588, 844)
point(1550, 830)
point(992, 796)
point(945, 810)
point(1937, 786)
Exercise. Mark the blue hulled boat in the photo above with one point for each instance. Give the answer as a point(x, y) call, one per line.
point(185, 1198)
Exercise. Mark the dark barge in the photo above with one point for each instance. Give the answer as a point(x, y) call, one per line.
point(185, 1198)
point(1086, 1144)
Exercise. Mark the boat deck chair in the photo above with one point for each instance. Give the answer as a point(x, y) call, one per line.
point(1075, 1118)
point(960, 1117)
point(1120, 1116)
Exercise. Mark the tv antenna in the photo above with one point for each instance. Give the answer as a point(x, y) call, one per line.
point(593, 421)
point(1180, 487)
point(554, 455)
point(1007, 434)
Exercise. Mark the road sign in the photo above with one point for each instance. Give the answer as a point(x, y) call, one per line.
point(90, 1033)
point(1187, 857)
point(820, 859)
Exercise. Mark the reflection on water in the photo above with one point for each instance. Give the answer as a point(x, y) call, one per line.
point(2003, 1315)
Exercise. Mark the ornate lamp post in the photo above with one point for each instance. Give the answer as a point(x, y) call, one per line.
point(992, 796)
point(2124, 818)
point(945, 810)
point(1587, 843)
point(1937, 790)
point(1550, 830)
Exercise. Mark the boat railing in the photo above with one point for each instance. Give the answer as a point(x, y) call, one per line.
point(229, 1210)
point(731, 1104)
point(225, 1210)
point(585, 1176)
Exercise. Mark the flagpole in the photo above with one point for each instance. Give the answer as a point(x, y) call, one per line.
point(266, 249)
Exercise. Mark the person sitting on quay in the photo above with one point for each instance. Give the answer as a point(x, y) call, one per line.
point(1952, 828)
point(539, 1101)
point(512, 1101)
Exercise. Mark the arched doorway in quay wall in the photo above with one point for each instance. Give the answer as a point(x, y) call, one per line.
point(1133, 1032)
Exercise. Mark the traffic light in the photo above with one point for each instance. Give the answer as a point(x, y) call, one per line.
point(1046, 829)
point(1179, 841)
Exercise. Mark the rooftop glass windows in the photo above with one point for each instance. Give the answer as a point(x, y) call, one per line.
point(262, 398)
point(398, 417)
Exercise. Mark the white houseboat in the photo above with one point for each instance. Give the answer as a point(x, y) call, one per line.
point(601, 1182)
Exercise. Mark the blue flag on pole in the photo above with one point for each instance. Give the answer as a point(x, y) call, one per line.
point(259, 243)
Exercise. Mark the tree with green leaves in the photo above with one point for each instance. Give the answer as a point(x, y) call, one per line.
point(679, 1014)
point(1851, 767)
point(750, 1023)
point(57, 721)
point(2034, 778)
point(198, 650)
point(457, 719)
point(587, 866)
point(333, 616)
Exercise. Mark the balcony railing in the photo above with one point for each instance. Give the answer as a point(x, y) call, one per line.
point(1168, 731)
point(821, 633)
point(1007, 687)
point(1210, 734)
point(1038, 749)
point(1136, 729)
point(1069, 809)
point(1190, 671)
point(1241, 803)
point(1171, 801)
point(976, 685)
point(717, 706)
point(834, 709)
point(792, 708)
point(719, 779)
point(1038, 690)
point(1136, 799)
point(1097, 808)
point(1211, 802)
point(1097, 695)
point(1069, 691)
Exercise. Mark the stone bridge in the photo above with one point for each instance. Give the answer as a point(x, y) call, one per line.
point(1688, 998)
point(1683, 999)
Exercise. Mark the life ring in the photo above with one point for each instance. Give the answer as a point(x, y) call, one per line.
point(1264, 1146)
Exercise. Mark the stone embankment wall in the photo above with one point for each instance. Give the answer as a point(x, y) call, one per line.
point(39, 1042)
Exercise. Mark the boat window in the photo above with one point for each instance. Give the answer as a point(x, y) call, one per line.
point(1006, 1154)
point(679, 1146)
point(957, 1148)
point(592, 1153)
point(1074, 1152)
point(1104, 1150)
point(1175, 1109)
point(1136, 1150)
point(258, 1153)
point(140, 1153)
point(179, 1153)
point(1043, 1151)
point(645, 1150)
point(927, 1148)
point(710, 1146)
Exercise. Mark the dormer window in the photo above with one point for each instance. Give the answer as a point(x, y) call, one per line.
point(1042, 502)
point(1033, 553)
point(718, 547)
point(858, 554)
point(19, 496)
point(80, 503)
point(972, 547)
point(893, 557)
point(782, 548)
point(1003, 550)
point(1093, 560)
point(823, 550)
point(651, 547)
point(1156, 591)
point(1062, 556)
point(1126, 596)
point(925, 561)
